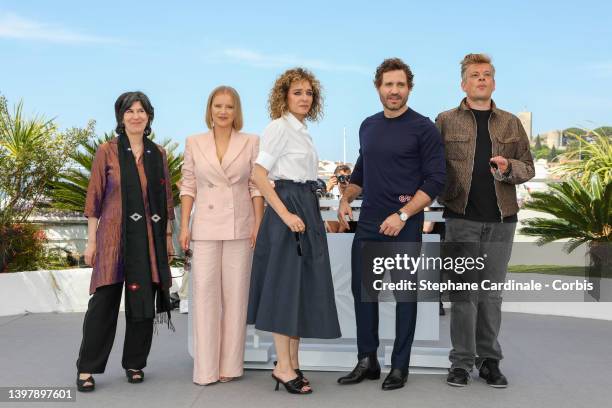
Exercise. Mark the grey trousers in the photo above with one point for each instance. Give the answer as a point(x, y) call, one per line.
point(476, 319)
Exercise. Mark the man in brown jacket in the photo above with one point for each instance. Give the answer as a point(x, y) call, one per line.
point(487, 154)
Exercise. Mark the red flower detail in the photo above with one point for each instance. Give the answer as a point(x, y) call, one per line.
point(40, 235)
point(133, 287)
point(163, 181)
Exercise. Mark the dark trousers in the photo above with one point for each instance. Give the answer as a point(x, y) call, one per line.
point(366, 313)
point(99, 329)
point(476, 315)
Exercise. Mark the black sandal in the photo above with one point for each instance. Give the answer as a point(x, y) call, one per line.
point(294, 386)
point(299, 373)
point(81, 384)
point(131, 376)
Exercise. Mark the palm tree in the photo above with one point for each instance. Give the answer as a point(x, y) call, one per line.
point(32, 152)
point(69, 191)
point(583, 213)
point(23, 173)
point(593, 155)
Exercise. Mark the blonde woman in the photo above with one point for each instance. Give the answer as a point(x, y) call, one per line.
point(292, 293)
point(227, 212)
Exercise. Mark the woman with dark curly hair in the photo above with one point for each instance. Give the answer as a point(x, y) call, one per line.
point(130, 210)
point(291, 293)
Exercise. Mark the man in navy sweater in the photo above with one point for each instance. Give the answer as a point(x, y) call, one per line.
point(400, 170)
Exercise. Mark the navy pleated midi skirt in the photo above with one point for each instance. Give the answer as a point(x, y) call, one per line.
point(292, 291)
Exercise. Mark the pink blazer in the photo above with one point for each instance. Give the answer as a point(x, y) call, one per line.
point(223, 209)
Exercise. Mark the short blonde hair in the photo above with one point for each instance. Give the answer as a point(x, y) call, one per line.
point(472, 59)
point(277, 100)
point(238, 121)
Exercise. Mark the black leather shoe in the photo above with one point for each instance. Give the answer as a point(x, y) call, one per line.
point(396, 379)
point(458, 377)
point(489, 370)
point(367, 367)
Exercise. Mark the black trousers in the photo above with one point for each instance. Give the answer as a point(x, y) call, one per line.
point(99, 329)
point(366, 313)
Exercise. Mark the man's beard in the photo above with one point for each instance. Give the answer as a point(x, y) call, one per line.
point(395, 108)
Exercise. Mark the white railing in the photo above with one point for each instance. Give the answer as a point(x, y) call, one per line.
point(329, 209)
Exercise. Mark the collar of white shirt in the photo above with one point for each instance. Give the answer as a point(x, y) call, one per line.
point(294, 122)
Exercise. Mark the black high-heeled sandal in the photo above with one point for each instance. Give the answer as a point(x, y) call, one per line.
point(81, 384)
point(299, 373)
point(131, 376)
point(294, 386)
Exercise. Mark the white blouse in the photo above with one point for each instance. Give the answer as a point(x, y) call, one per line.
point(287, 152)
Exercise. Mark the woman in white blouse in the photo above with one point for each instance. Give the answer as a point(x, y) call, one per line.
point(291, 292)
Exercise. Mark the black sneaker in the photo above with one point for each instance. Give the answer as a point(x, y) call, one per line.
point(458, 377)
point(489, 370)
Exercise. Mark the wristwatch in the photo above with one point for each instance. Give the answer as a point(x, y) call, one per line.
point(403, 216)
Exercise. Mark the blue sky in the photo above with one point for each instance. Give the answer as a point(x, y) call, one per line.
point(71, 59)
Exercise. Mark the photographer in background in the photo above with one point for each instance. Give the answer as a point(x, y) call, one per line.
point(339, 181)
point(335, 188)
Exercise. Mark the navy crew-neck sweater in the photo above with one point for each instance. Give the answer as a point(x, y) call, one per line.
point(397, 157)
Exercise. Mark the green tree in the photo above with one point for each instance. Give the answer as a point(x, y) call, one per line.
point(32, 152)
point(69, 190)
point(582, 211)
point(574, 131)
point(543, 153)
point(604, 131)
point(575, 136)
point(593, 157)
point(552, 155)
point(582, 205)
point(538, 143)
point(570, 135)
point(540, 151)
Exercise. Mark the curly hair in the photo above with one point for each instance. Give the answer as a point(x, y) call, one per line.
point(393, 64)
point(277, 100)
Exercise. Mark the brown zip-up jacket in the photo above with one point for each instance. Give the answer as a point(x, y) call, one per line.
point(508, 139)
